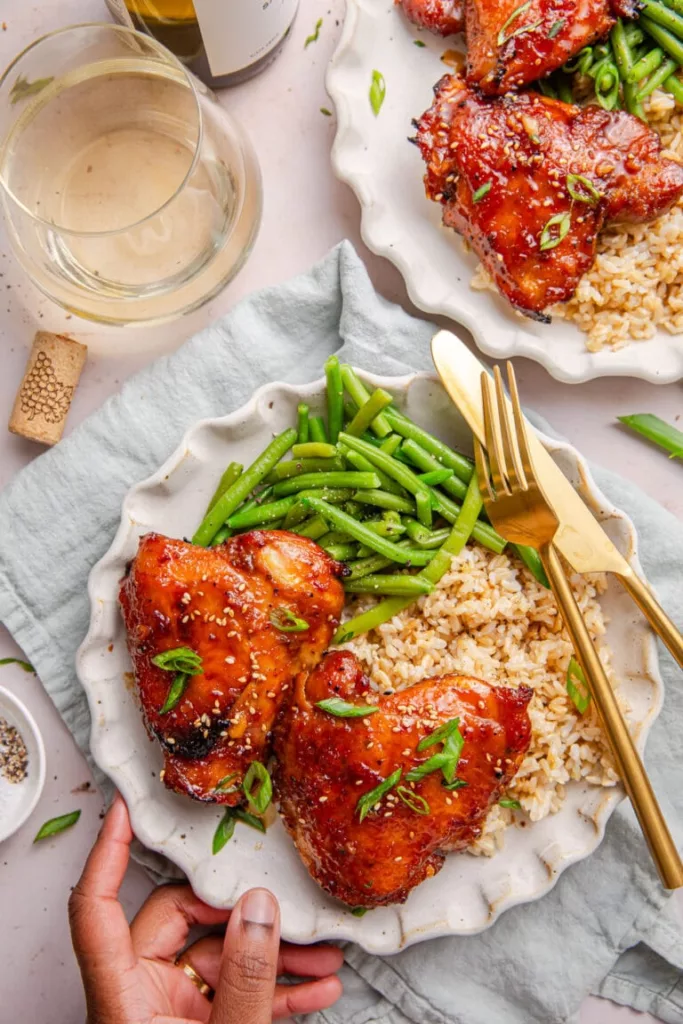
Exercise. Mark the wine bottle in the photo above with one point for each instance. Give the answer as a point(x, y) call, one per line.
point(224, 42)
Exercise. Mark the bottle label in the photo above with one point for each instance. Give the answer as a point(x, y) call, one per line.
point(237, 33)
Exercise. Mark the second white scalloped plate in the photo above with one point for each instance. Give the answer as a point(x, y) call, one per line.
point(470, 892)
point(372, 155)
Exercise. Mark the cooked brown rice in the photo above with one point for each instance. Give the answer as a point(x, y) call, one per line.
point(635, 286)
point(488, 617)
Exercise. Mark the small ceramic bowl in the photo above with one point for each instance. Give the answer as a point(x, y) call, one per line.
point(18, 799)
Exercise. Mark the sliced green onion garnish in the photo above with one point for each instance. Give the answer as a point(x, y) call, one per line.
point(482, 191)
point(342, 709)
point(550, 238)
point(577, 688)
point(513, 805)
point(556, 28)
point(223, 783)
point(455, 784)
point(27, 667)
point(439, 735)
point(175, 692)
point(378, 91)
point(179, 659)
point(224, 831)
point(432, 764)
point(260, 799)
point(656, 430)
point(582, 189)
point(413, 800)
point(502, 37)
point(287, 622)
point(368, 800)
point(362, 911)
point(248, 819)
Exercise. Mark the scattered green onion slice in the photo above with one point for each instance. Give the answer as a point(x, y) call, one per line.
point(418, 42)
point(224, 831)
point(577, 688)
point(326, 112)
point(56, 825)
point(548, 238)
point(413, 800)
point(344, 638)
point(342, 709)
point(368, 800)
point(378, 91)
point(362, 911)
point(482, 191)
point(223, 783)
point(582, 189)
point(656, 430)
point(513, 805)
point(556, 28)
point(179, 659)
point(287, 622)
point(248, 819)
point(439, 735)
point(260, 799)
point(455, 784)
point(315, 35)
point(432, 764)
point(27, 667)
point(175, 692)
point(502, 37)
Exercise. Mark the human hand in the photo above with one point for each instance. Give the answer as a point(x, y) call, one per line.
point(130, 973)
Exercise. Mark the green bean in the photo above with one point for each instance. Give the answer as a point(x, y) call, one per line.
point(657, 79)
point(364, 465)
point(646, 65)
point(232, 473)
point(437, 567)
point(302, 423)
point(483, 533)
point(663, 16)
point(403, 586)
point(221, 536)
point(397, 471)
point(634, 34)
point(295, 467)
point(335, 495)
point(360, 395)
point(314, 528)
point(675, 5)
point(624, 59)
point(385, 528)
point(383, 499)
point(674, 85)
point(375, 563)
point(314, 450)
point(391, 444)
point(297, 514)
point(392, 517)
point(350, 410)
point(435, 477)
point(666, 39)
point(580, 62)
point(316, 429)
point(335, 397)
point(564, 88)
point(656, 430)
point(243, 486)
point(342, 552)
point(532, 560)
point(342, 478)
point(368, 412)
point(354, 508)
point(425, 538)
point(359, 531)
point(336, 537)
point(261, 514)
point(462, 467)
point(421, 458)
point(607, 85)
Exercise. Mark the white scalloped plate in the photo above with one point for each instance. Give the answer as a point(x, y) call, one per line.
point(470, 892)
point(371, 155)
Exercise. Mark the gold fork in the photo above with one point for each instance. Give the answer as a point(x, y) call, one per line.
point(519, 510)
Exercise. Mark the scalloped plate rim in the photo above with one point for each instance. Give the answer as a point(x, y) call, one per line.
point(348, 928)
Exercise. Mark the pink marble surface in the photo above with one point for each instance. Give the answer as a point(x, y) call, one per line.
point(306, 212)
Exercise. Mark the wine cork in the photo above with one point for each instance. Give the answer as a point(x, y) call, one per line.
point(43, 400)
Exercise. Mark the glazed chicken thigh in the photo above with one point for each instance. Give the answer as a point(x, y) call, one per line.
point(443, 16)
point(327, 764)
point(510, 44)
point(256, 610)
point(530, 181)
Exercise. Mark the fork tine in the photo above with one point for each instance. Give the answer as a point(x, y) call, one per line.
point(482, 468)
point(515, 470)
point(520, 426)
point(494, 444)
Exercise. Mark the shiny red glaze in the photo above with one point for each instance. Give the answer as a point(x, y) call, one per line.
point(524, 146)
point(443, 16)
point(233, 589)
point(325, 764)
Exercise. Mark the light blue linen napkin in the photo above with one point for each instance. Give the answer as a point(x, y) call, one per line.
point(607, 926)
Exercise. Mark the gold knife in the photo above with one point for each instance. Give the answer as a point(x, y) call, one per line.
point(580, 538)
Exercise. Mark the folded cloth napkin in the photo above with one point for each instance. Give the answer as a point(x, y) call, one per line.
point(607, 926)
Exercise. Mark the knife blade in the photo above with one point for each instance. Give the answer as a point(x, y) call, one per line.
point(580, 538)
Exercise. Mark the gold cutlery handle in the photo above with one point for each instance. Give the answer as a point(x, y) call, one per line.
point(655, 614)
point(629, 764)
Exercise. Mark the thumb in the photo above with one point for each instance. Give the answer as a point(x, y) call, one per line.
point(246, 983)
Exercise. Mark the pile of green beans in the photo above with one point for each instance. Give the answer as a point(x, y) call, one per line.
point(374, 489)
point(639, 57)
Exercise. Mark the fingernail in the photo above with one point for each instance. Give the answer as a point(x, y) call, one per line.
point(259, 907)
